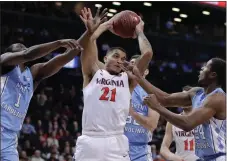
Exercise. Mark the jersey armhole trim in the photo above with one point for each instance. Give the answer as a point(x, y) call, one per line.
point(4, 86)
point(30, 72)
point(84, 89)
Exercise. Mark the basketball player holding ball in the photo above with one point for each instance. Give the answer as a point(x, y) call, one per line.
point(107, 93)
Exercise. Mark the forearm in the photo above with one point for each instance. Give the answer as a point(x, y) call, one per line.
point(146, 53)
point(180, 121)
point(99, 31)
point(144, 121)
point(151, 89)
point(84, 39)
point(144, 44)
point(38, 51)
point(45, 70)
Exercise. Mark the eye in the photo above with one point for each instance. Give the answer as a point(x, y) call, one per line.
point(116, 56)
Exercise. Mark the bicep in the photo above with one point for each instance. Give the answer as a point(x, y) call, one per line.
point(89, 59)
point(180, 99)
point(11, 59)
point(199, 116)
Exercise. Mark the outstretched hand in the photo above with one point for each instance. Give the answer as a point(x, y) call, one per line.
point(91, 23)
point(139, 28)
point(132, 70)
point(73, 46)
point(151, 101)
point(70, 44)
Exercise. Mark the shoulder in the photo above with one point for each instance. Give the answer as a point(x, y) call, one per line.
point(216, 99)
point(216, 102)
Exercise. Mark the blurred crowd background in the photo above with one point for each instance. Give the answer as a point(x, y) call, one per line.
point(184, 35)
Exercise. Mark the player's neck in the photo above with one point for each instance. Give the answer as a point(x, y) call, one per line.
point(22, 67)
point(211, 87)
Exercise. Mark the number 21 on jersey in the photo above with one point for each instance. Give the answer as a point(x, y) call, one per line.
point(108, 95)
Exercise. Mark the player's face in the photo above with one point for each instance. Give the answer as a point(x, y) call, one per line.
point(205, 73)
point(114, 60)
point(133, 62)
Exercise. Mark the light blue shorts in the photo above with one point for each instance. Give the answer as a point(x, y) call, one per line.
point(9, 141)
point(140, 153)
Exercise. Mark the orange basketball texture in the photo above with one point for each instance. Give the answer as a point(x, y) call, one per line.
point(125, 23)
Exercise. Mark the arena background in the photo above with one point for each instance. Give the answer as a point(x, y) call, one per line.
point(183, 35)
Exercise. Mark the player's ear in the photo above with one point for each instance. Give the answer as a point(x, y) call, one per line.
point(146, 72)
point(105, 59)
point(213, 74)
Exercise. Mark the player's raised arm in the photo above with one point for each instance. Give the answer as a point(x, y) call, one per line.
point(167, 140)
point(179, 99)
point(145, 48)
point(44, 70)
point(89, 56)
point(213, 104)
point(32, 53)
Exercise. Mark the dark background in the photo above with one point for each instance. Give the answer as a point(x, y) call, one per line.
point(180, 49)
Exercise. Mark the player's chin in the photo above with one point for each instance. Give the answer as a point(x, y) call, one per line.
point(117, 70)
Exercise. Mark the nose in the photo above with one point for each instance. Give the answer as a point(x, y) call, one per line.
point(119, 61)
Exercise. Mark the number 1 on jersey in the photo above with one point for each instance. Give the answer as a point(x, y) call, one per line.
point(18, 101)
point(106, 91)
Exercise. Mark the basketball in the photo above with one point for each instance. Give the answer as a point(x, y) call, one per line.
point(124, 23)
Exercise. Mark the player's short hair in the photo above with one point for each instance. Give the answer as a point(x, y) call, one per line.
point(115, 48)
point(135, 57)
point(11, 47)
point(218, 66)
point(187, 88)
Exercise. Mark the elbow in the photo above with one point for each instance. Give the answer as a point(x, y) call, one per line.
point(148, 54)
point(151, 125)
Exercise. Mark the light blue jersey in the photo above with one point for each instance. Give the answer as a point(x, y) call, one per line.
point(16, 93)
point(210, 137)
point(138, 136)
